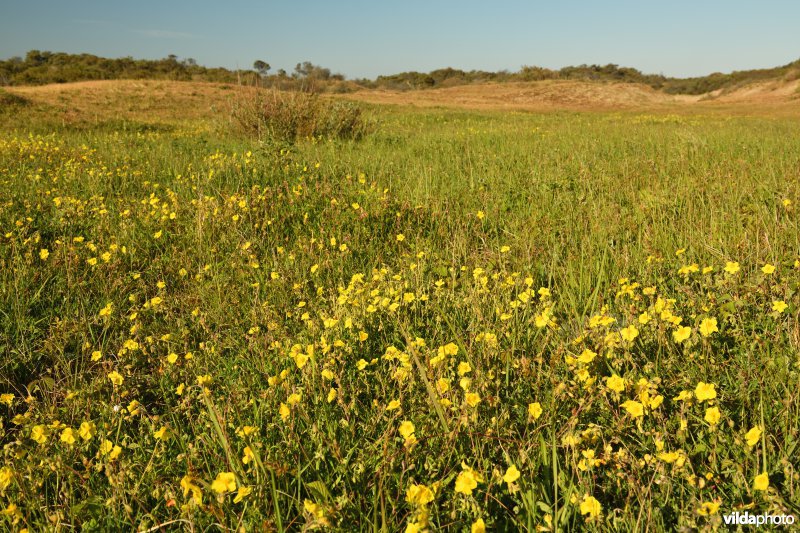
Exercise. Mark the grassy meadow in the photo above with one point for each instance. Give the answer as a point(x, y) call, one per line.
point(466, 321)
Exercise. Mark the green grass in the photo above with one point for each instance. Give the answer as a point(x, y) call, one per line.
point(241, 236)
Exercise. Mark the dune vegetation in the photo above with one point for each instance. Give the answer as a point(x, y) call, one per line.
point(460, 320)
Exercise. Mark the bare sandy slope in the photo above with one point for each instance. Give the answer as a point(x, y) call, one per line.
point(173, 100)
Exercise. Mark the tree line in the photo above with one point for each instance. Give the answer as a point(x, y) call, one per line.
point(41, 67)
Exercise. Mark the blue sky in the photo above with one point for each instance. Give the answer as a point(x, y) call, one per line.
point(366, 38)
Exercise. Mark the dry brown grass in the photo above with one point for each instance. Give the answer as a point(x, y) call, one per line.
point(147, 100)
point(763, 98)
point(168, 101)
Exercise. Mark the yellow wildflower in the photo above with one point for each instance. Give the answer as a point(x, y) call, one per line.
point(590, 506)
point(708, 326)
point(712, 416)
point(225, 482)
point(753, 436)
point(705, 391)
point(511, 475)
point(761, 482)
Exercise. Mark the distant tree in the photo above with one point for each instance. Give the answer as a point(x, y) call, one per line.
point(262, 67)
point(306, 69)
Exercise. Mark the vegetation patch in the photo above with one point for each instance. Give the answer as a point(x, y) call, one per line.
point(9, 100)
point(291, 116)
point(464, 322)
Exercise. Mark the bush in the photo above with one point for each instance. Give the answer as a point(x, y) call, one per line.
point(289, 116)
point(9, 100)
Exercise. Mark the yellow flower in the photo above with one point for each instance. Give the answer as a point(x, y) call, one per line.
point(629, 334)
point(656, 401)
point(709, 508)
point(400, 237)
point(225, 482)
point(634, 408)
point(406, 429)
point(115, 377)
point(511, 475)
point(13, 512)
point(161, 433)
point(394, 404)
point(294, 398)
point(708, 326)
point(107, 310)
point(768, 269)
point(315, 510)
point(419, 495)
point(615, 383)
point(731, 267)
point(712, 416)
point(464, 368)
point(535, 410)
point(172, 358)
point(332, 395)
point(705, 391)
point(414, 527)
point(39, 433)
point(761, 482)
point(242, 494)
point(681, 334)
point(467, 481)
point(472, 398)
point(114, 453)
point(300, 359)
point(87, 431)
point(68, 436)
point(44, 253)
point(284, 411)
point(106, 447)
point(590, 506)
point(247, 455)
point(669, 457)
point(587, 356)
point(753, 436)
point(6, 475)
point(478, 526)
point(188, 486)
point(779, 306)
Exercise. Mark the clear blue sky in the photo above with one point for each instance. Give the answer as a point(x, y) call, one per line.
point(361, 38)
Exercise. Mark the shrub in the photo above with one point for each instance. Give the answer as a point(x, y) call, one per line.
point(9, 100)
point(289, 116)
